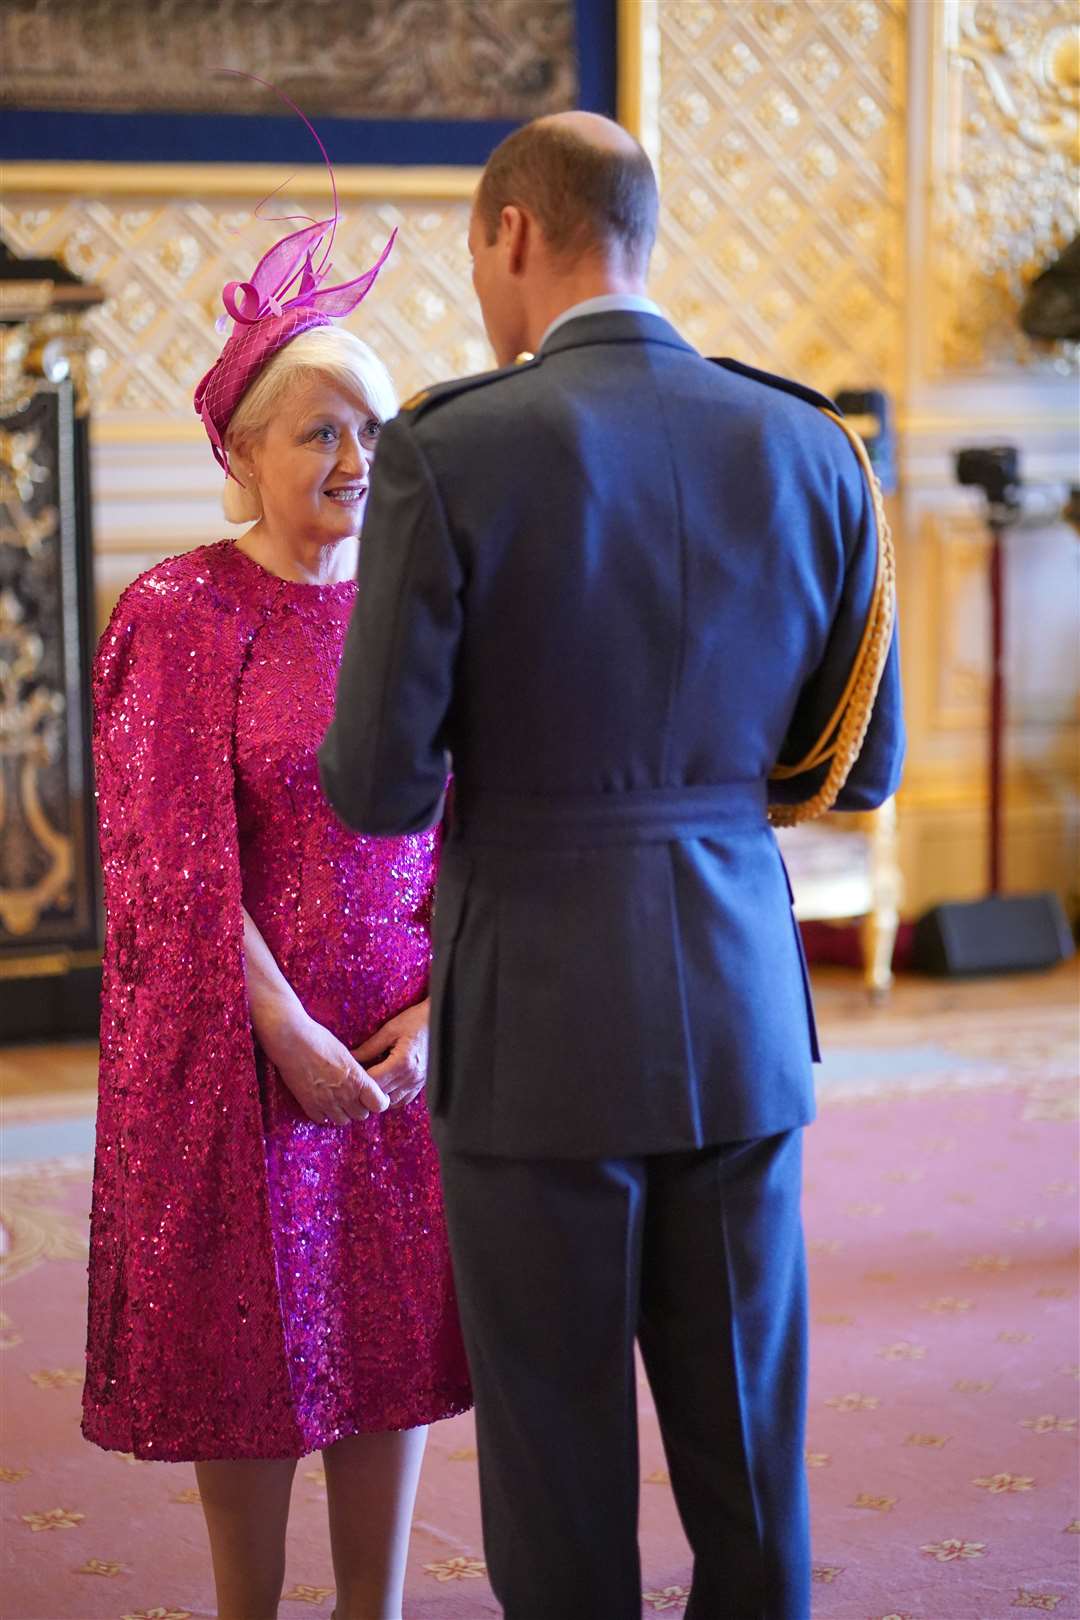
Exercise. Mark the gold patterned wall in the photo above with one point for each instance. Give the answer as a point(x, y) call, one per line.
point(164, 260)
point(783, 183)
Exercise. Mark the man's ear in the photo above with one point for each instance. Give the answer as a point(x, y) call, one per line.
point(517, 230)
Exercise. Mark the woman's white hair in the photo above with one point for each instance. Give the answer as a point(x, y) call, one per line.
point(325, 351)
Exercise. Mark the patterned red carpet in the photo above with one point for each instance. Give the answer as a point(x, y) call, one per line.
point(941, 1209)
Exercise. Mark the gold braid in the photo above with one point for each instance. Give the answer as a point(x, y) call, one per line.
point(842, 738)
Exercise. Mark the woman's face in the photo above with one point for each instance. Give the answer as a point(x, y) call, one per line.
point(313, 462)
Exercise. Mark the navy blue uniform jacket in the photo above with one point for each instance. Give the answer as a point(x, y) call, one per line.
point(615, 586)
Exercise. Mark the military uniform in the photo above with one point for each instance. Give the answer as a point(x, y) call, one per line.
point(615, 585)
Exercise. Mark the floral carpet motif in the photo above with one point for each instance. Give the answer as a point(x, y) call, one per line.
point(942, 1441)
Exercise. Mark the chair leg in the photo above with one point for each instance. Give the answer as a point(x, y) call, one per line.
point(880, 926)
point(878, 935)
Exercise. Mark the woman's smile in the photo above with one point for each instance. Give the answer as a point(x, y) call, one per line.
point(346, 494)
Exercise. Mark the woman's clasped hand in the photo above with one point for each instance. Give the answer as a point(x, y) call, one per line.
point(399, 1055)
point(327, 1081)
point(333, 1085)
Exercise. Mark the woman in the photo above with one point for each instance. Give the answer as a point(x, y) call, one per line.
point(269, 1268)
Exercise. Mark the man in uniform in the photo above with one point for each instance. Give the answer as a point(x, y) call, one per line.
point(614, 584)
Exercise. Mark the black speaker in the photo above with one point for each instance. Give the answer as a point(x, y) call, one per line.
point(1004, 933)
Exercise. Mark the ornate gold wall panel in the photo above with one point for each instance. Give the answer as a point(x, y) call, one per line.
point(46, 887)
point(943, 848)
point(164, 260)
point(945, 623)
point(783, 150)
point(1042, 656)
point(960, 626)
point(1006, 168)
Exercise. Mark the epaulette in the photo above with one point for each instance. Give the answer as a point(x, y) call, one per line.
point(438, 393)
point(785, 384)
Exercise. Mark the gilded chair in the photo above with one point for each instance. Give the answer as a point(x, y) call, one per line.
point(847, 867)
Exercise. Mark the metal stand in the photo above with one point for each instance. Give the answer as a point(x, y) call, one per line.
point(995, 848)
point(1001, 933)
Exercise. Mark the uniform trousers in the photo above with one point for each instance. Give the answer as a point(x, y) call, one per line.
point(561, 1265)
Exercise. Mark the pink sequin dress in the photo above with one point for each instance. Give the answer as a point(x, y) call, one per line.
point(260, 1286)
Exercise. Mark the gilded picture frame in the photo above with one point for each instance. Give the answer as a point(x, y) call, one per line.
point(613, 80)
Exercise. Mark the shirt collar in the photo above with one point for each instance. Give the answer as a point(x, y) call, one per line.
point(604, 304)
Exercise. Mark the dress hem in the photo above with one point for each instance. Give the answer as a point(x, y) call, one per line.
point(452, 1407)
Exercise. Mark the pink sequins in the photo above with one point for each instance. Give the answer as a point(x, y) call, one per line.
point(260, 1285)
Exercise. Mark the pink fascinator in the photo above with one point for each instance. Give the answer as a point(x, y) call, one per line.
point(285, 296)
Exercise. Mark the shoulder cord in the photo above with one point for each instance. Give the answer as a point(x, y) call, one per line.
point(845, 731)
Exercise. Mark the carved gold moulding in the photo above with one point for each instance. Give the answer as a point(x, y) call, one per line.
point(233, 179)
point(50, 345)
point(42, 964)
point(26, 300)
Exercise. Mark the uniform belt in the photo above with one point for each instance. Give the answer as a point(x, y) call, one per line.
point(638, 816)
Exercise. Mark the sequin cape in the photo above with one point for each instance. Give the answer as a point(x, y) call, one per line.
point(223, 1274)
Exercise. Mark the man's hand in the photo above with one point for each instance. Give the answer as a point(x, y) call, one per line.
point(321, 1072)
point(396, 1055)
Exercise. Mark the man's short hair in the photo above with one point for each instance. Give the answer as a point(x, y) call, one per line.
point(586, 198)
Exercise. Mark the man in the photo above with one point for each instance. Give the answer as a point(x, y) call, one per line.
point(617, 583)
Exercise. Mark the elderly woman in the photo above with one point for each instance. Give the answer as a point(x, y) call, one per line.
point(269, 1268)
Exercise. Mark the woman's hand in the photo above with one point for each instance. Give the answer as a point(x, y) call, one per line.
point(396, 1055)
point(322, 1074)
point(318, 1069)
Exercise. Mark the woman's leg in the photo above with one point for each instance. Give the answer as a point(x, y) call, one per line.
point(246, 1504)
point(371, 1482)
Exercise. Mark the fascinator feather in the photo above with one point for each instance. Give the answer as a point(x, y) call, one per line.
point(285, 295)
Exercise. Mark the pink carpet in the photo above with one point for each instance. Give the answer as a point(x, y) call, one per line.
point(943, 1415)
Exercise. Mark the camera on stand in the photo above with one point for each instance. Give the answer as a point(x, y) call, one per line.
point(995, 469)
point(1001, 933)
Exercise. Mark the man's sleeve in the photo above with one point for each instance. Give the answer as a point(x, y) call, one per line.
point(876, 773)
point(383, 762)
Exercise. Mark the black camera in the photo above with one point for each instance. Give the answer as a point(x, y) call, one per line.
point(993, 468)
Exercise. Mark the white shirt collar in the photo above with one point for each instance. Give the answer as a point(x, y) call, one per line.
point(604, 304)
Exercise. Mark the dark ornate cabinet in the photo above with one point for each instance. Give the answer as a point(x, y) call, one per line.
point(50, 912)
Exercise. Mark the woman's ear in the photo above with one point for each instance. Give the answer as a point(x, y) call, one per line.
point(240, 497)
point(250, 453)
point(240, 461)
